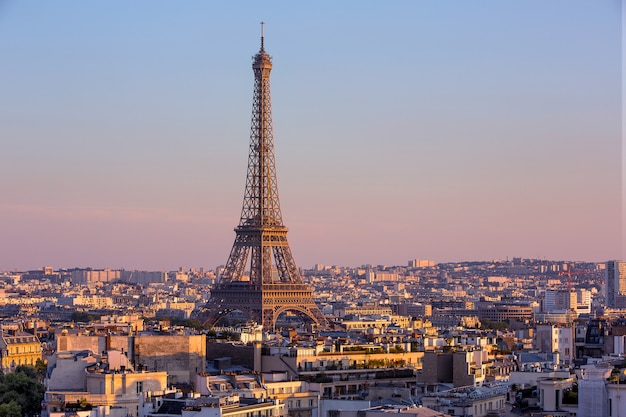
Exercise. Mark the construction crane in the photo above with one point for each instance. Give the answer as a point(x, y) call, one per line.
point(569, 277)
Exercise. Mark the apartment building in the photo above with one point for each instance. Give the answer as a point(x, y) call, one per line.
point(18, 348)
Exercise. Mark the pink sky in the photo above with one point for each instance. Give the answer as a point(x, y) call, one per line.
point(402, 131)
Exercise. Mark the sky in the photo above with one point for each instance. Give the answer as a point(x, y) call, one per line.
point(447, 130)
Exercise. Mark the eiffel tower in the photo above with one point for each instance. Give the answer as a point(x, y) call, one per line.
point(274, 284)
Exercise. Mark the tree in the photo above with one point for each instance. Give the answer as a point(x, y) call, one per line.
point(190, 323)
point(84, 317)
point(41, 369)
point(29, 371)
point(23, 388)
point(494, 325)
point(10, 409)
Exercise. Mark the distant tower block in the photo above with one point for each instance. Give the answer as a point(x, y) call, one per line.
point(274, 284)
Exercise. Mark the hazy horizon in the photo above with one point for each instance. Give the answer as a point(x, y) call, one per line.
point(447, 131)
point(305, 267)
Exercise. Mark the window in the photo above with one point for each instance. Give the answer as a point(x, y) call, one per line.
point(139, 387)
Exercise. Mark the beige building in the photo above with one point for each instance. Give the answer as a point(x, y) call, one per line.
point(298, 396)
point(224, 406)
point(348, 372)
point(460, 368)
point(18, 348)
point(106, 382)
point(551, 392)
point(504, 312)
point(86, 301)
point(468, 401)
point(420, 263)
point(551, 338)
point(181, 356)
point(83, 276)
point(384, 411)
point(615, 288)
point(601, 392)
point(370, 310)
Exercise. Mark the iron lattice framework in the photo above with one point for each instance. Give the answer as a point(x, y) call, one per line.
point(274, 284)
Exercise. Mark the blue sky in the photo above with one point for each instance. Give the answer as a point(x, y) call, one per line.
point(411, 129)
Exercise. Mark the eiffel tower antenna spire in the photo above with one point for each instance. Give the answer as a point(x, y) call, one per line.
point(270, 283)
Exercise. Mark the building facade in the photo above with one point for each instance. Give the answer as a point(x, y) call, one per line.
point(18, 348)
point(99, 381)
point(551, 338)
point(615, 284)
point(181, 356)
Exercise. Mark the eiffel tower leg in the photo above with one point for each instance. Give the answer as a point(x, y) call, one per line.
point(269, 320)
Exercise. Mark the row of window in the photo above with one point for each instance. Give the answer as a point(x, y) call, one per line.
point(298, 403)
point(24, 349)
point(284, 390)
point(31, 361)
point(265, 413)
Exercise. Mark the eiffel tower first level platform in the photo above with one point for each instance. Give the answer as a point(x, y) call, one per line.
point(264, 303)
point(261, 278)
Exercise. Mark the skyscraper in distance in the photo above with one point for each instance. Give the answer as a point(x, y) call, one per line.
point(615, 284)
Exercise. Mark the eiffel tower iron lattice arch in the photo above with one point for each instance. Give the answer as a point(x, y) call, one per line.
point(274, 284)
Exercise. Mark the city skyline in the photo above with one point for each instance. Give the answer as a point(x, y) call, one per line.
point(450, 132)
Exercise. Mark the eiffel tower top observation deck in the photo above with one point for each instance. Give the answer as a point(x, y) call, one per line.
point(274, 284)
